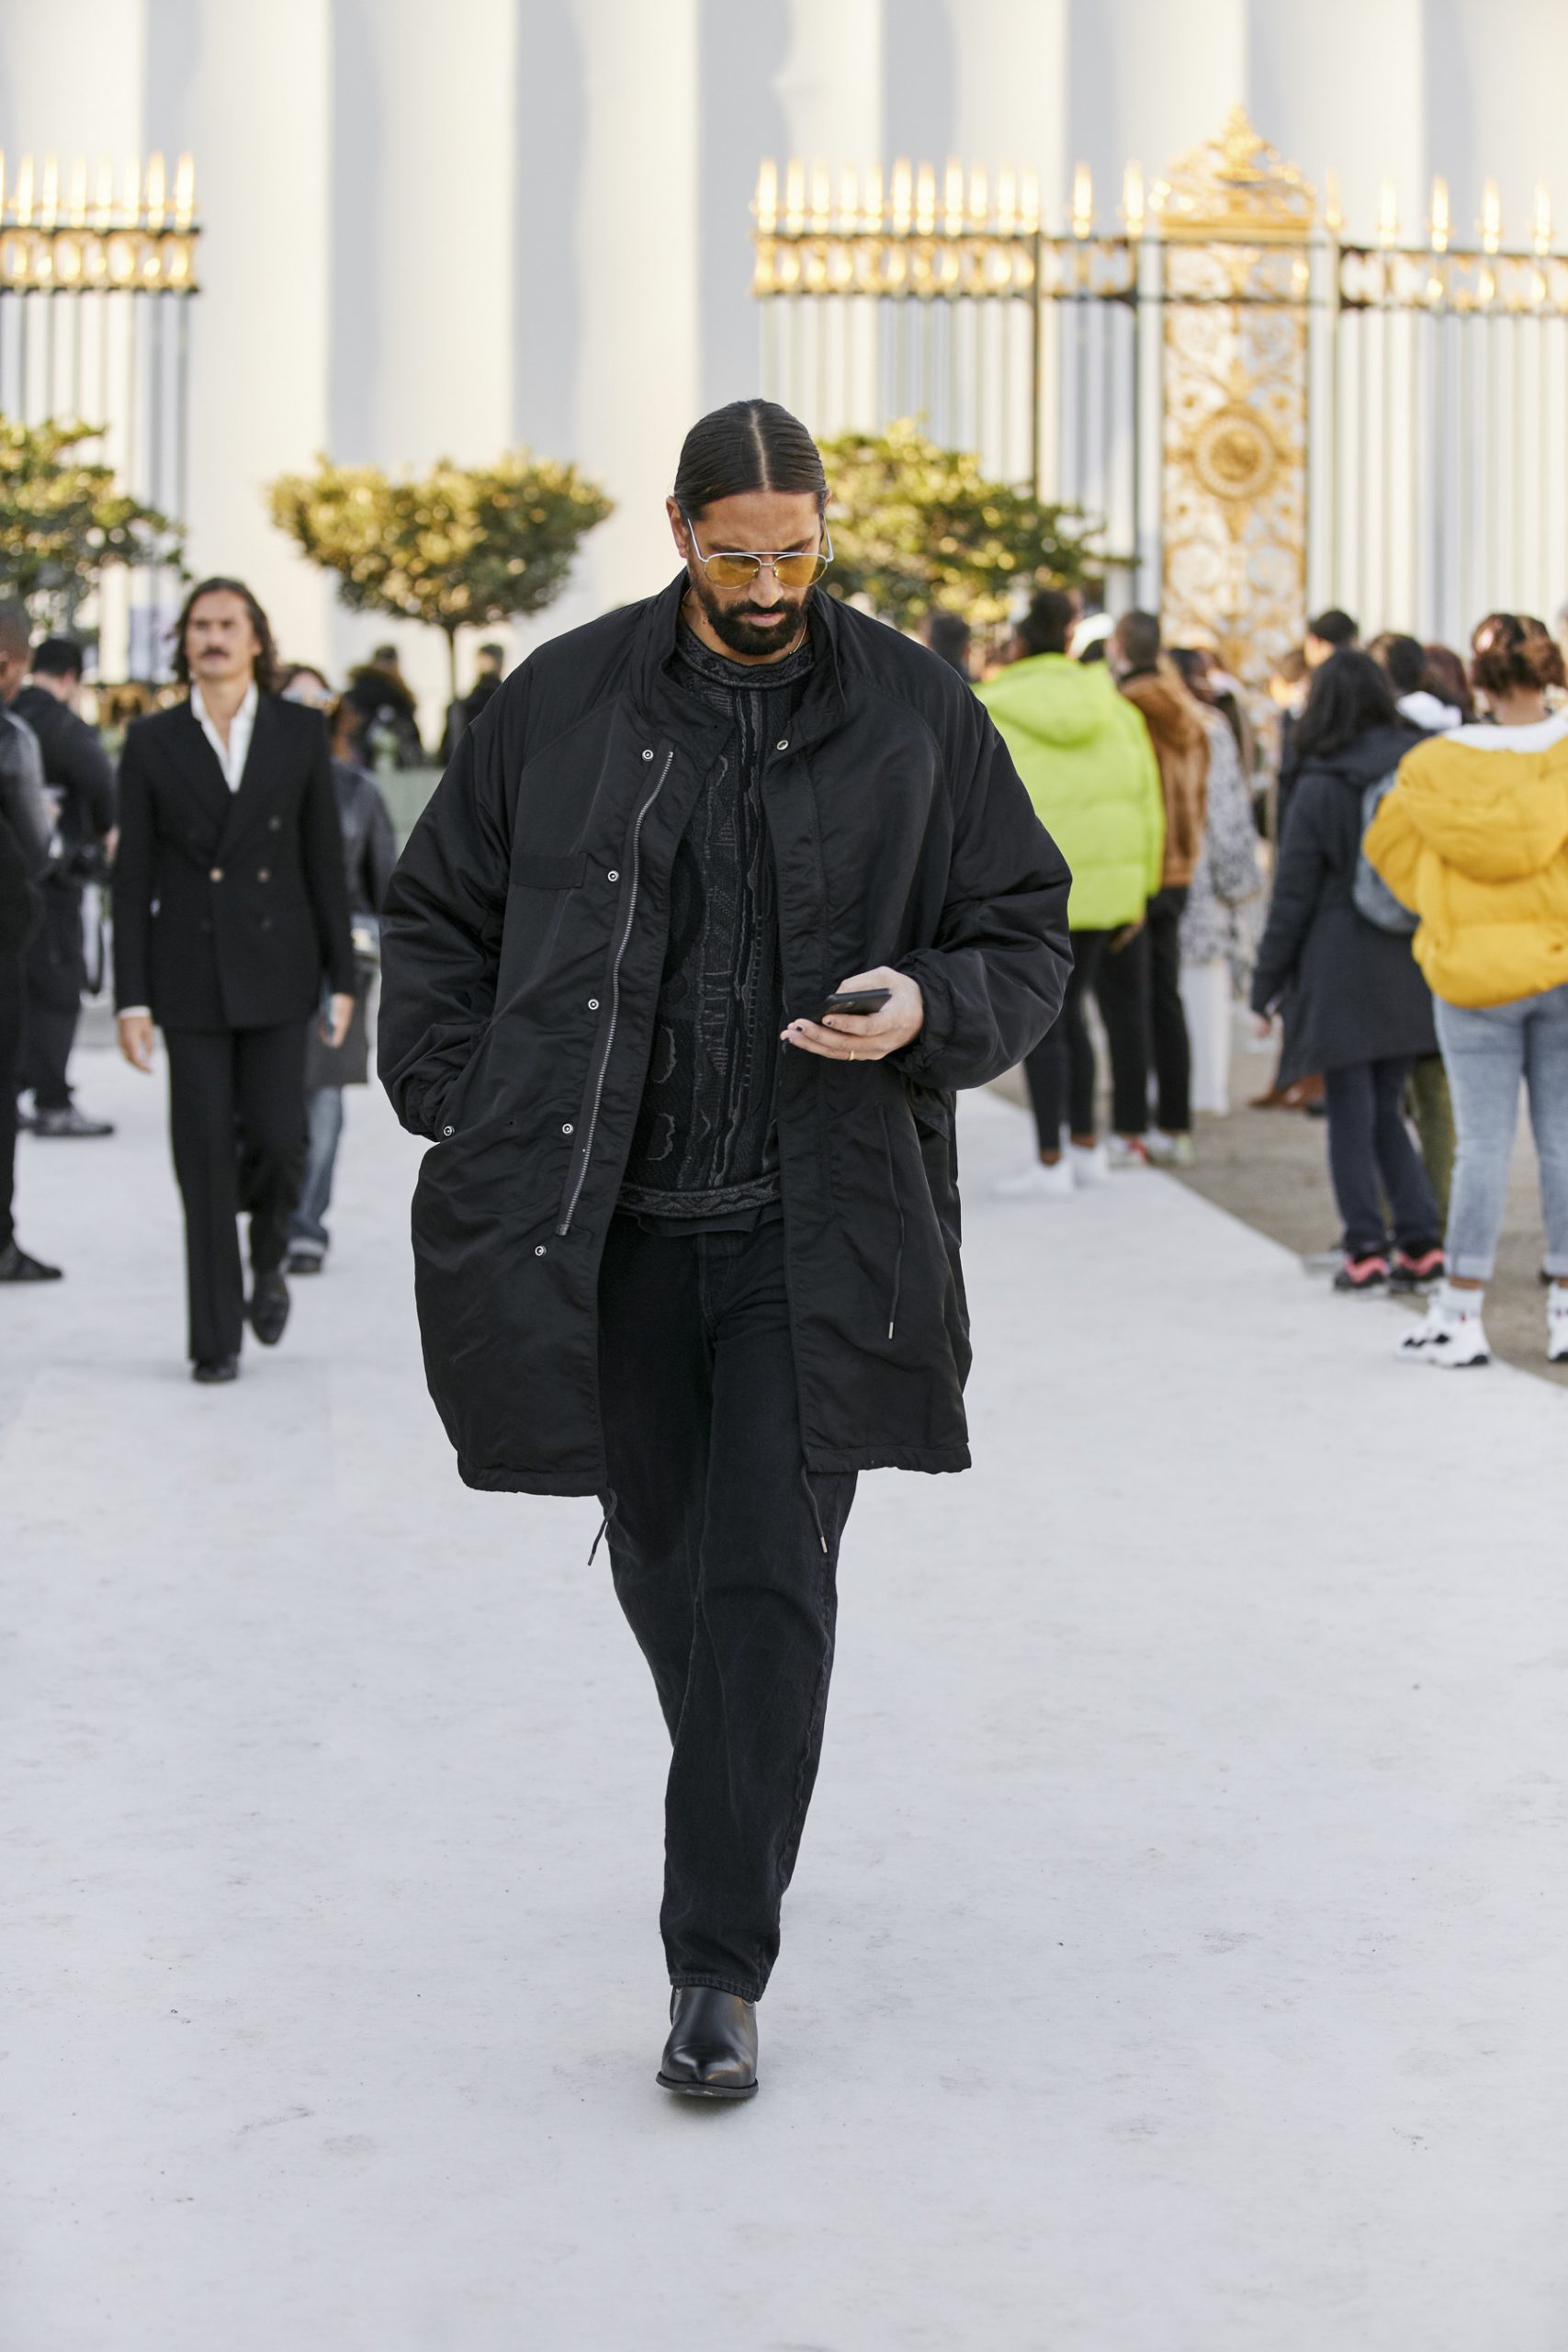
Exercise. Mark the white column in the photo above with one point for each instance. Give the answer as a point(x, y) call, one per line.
point(71, 80)
point(254, 114)
point(636, 238)
point(425, 128)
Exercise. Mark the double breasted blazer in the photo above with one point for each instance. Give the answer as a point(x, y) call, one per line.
point(229, 907)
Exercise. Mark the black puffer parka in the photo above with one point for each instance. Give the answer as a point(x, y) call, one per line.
point(523, 943)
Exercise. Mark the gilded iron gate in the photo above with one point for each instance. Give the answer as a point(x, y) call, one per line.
point(1264, 415)
point(96, 282)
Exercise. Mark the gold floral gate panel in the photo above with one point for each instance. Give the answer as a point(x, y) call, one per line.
point(1263, 415)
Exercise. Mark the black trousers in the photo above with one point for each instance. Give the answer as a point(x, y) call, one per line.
point(1061, 1072)
point(57, 974)
point(1371, 1157)
point(13, 1003)
point(1146, 982)
point(237, 1119)
point(724, 1553)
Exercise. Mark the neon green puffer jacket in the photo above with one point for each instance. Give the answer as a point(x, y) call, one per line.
point(1087, 761)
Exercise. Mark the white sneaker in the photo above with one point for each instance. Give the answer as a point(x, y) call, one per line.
point(1038, 1183)
point(1091, 1166)
point(1126, 1152)
point(1449, 1334)
point(1168, 1151)
point(1557, 1323)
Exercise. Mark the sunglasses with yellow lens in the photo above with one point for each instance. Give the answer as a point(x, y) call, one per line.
point(737, 567)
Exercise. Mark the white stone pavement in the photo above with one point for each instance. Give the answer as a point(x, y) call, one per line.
point(1176, 1961)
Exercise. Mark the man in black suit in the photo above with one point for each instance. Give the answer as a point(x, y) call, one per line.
point(229, 904)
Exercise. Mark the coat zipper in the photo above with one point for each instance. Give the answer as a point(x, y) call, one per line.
point(596, 1091)
point(898, 1205)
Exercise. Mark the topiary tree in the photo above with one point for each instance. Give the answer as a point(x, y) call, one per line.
point(460, 547)
point(63, 522)
point(918, 528)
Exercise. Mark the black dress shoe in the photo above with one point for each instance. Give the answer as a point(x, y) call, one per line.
point(15, 1266)
point(712, 2049)
point(69, 1122)
point(303, 1262)
point(212, 1369)
point(269, 1308)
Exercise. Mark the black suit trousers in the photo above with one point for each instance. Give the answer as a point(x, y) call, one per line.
point(237, 1119)
point(13, 1003)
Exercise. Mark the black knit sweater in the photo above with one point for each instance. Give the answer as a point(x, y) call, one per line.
point(705, 1149)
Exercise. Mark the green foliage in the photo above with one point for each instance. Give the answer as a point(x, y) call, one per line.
point(460, 547)
point(63, 521)
point(917, 528)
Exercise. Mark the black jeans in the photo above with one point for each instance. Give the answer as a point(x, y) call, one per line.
point(57, 974)
point(13, 1004)
point(1368, 1140)
point(724, 1553)
point(1061, 1072)
point(237, 1121)
point(1145, 983)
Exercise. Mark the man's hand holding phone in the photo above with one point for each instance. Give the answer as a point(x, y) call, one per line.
point(892, 1012)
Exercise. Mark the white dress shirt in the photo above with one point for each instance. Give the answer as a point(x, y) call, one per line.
point(231, 754)
point(231, 757)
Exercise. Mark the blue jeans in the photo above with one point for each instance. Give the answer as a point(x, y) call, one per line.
point(1487, 1052)
point(308, 1228)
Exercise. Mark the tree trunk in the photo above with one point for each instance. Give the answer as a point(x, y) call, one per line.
point(451, 634)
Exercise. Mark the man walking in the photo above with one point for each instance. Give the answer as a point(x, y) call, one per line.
point(688, 1237)
point(26, 846)
point(228, 903)
point(1147, 980)
point(81, 784)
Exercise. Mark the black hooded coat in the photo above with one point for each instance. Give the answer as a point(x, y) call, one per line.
point(1349, 992)
point(522, 945)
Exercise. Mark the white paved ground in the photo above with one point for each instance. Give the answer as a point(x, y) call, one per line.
point(1177, 1958)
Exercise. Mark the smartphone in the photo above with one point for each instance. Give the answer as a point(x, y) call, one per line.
point(857, 1000)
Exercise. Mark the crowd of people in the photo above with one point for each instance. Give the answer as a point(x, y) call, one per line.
point(1381, 885)
point(1410, 947)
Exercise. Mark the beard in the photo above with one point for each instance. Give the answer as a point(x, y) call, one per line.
point(734, 625)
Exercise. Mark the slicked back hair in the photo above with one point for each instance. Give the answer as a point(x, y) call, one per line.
point(747, 445)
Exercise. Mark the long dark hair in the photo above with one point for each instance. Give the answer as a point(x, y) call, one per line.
point(267, 660)
point(749, 444)
point(1350, 695)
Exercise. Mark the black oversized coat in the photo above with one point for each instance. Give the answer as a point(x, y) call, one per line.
point(1349, 992)
point(229, 907)
point(523, 943)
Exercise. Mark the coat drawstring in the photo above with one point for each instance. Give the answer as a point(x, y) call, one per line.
point(811, 1498)
point(897, 1202)
point(604, 1523)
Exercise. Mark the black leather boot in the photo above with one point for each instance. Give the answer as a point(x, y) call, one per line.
point(712, 2049)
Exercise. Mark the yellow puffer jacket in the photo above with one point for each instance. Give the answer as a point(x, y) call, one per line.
point(1475, 841)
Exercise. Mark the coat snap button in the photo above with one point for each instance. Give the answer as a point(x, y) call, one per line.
point(275, 824)
point(448, 1131)
point(216, 875)
point(539, 1249)
point(567, 1129)
point(612, 876)
point(593, 1005)
point(647, 755)
point(262, 874)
